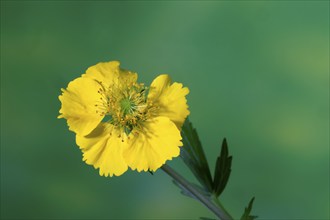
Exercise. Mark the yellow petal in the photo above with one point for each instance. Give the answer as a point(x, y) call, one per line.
point(105, 72)
point(110, 73)
point(103, 149)
point(157, 141)
point(171, 99)
point(78, 105)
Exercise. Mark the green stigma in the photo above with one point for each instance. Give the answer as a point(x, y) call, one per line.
point(127, 106)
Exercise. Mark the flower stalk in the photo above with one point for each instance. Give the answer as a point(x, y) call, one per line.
point(217, 208)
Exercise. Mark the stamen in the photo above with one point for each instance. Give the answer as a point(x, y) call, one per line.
point(126, 103)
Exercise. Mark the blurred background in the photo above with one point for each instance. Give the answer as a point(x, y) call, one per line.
point(258, 73)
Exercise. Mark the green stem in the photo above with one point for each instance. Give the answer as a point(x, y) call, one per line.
point(218, 210)
point(216, 200)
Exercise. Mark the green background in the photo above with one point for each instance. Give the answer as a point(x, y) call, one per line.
point(258, 73)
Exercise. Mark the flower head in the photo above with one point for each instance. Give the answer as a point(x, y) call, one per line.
point(120, 123)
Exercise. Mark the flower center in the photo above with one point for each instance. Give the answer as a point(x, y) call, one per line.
point(125, 103)
point(127, 106)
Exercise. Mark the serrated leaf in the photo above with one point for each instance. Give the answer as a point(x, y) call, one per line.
point(246, 215)
point(222, 169)
point(193, 155)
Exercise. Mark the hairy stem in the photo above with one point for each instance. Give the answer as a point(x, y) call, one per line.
point(215, 208)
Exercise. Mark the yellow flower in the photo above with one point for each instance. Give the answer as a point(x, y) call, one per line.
point(120, 123)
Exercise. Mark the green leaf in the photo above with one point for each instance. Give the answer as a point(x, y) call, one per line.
point(222, 169)
point(246, 215)
point(193, 156)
